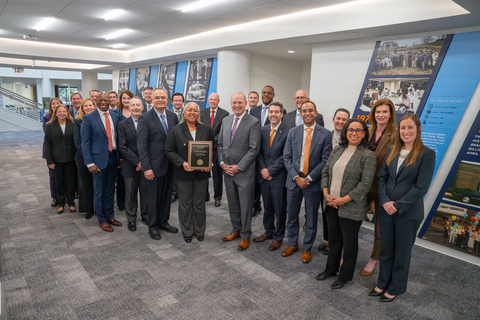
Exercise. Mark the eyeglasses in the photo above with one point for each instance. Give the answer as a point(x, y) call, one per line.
point(300, 98)
point(357, 131)
point(267, 92)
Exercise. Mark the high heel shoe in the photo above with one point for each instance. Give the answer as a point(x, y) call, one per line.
point(73, 210)
point(384, 298)
point(367, 273)
point(60, 211)
point(375, 293)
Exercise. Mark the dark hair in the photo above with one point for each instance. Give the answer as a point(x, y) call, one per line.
point(254, 92)
point(278, 104)
point(114, 92)
point(404, 90)
point(178, 94)
point(341, 110)
point(147, 88)
point(120, 96)
point(269, 86)
point(308, 101)
point(93, 90)
point(343, 134)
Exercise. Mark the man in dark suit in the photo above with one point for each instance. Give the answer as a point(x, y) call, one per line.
point(271, 177)
point(76, 101)
point(147, 96)
point(151, 137)
point(177, 103)
point(238, 147)
point(112, 97)
point(131, 165)
point(99, 146)
point(306, 151)
point(253, 99)
point(294, 118)
point(213, 116)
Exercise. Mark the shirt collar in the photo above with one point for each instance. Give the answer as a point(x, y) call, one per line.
point(276, 128)
point(312, 127)
point(159, 114)
point(240, 117)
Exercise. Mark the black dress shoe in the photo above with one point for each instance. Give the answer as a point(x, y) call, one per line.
point(338, 284)
point(322, 246)
point(145, 220)
point(54, 203)
point(326, 250)
point(154, 234)
point(132, 226)
point(200, 238)
point(218, 203)
point(324, 275)
point(383, 298)
point(73, 210)
point(121, 209)
point(375, 293)
point(60, 211)
point(169, 229)
point(188, 239)
point(89, 215)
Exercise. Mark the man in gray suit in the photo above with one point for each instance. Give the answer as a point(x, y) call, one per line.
point(238, 147)
point(294, 118)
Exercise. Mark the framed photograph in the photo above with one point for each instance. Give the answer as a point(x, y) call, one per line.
point(166, 78)
point(123, 77)
point(200, 154)
point(141, 81)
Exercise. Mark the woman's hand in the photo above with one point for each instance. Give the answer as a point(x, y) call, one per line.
point(51, 166)
point(333, 201)
point(186, 167)
point(389, 207)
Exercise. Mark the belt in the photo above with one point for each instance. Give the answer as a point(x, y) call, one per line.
point(113, 151)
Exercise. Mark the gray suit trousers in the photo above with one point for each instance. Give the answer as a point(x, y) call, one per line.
point(132, 186)
point(240, 201)
point(191, 207)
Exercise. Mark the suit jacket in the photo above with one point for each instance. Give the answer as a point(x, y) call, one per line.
point(243, 149)
point(176, 149)
point(151, 138)
point(407, 187)
point(217, 123)
point(320, 149)
point(356, 181)
point(59, 147)
point(271, 157)
point(289, 119)
point(72, 112)
point(77, 140)
point(145, 109)
point(127, 145)
point(95, 139)
point(257, 113)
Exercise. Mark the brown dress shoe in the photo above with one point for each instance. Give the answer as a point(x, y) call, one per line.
point(291, 249)
point(243, 244)
point(106, 227)
point(231, 236)
point(115, 223)
point(262, 238)
point(275, 245)
point(306, 256)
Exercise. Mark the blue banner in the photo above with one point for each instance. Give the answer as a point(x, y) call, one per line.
point(153, 77)
point(213, 81)
point(131, 81)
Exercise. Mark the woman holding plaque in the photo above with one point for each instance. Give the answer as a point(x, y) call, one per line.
point(191, 183)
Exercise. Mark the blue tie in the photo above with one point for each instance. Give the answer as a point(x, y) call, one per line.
point(164, 123)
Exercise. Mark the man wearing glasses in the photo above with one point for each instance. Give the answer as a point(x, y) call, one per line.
point(294, 118)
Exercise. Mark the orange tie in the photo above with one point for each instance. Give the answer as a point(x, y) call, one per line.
point(109, 132)
point(306, 155)
point(272, 135)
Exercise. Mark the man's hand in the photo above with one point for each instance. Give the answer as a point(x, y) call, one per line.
point(120, 164)
point(52, 166)
point(139, 166)
point(93, 169)
point(226, 169)
point(265, 174)
point(234, 169)
point(149, 174)
point(388, 206)
point(301, 182)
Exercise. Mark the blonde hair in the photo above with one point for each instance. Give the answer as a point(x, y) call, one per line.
point(81, 111)
point(54, 115)
point(398, 144)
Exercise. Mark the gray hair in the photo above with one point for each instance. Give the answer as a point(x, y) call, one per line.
point(191, 104)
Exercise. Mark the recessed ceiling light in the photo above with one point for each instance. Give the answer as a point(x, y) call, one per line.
point(291, 51)
point(118, 34)
point(113, 14)
point(199, 4)
point(45, 23)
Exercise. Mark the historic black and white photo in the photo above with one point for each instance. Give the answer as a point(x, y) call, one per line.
point(141, 81)
point(123, 77)
point(166, 78)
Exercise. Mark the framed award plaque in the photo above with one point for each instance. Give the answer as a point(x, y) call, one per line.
point(200, 155)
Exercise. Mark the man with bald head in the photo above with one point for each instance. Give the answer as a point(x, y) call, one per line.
point(153, 129)
point(213, 117)
point(238, 147)
point(294, 118)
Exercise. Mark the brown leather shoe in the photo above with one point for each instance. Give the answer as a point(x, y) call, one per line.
point(291, 249)
point(231, 236)
point(306, 256)
point(115, 223)
point(367, 273)
point(106, 227)
point(262, 238)
point(275, 245)
point(243, 244)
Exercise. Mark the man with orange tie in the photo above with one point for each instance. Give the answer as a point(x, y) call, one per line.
point(99, 146)
point(214, 116)
point(306, 151)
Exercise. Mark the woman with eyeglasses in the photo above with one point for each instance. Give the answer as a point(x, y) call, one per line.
point(346, 179)
point(402, 183)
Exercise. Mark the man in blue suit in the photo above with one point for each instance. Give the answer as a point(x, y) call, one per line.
point(307, 149)
point(272, 175)
point(99, 145)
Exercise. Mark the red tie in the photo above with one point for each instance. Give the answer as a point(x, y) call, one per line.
point(212, 118)
point(109, 132)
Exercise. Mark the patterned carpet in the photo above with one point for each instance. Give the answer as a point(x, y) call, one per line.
point(66, 267)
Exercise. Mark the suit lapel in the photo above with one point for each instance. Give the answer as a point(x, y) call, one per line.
point(131, 126)
point(277, 137)
point(157, 122)
point(100, 123)
point(216, 119)
point(383, 141)
point(393, 167)
point(242, 124)
point(315, 137)
point(350, 165)
point(186, 132)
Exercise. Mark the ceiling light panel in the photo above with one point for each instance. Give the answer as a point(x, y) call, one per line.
point(200, 4)
point(113, 14)
point(118, 34)
point(45, 23)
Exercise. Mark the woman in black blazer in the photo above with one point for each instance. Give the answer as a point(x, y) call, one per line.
point(60, 154)
point(191, 184)
point(402, 182)
point(85, 178)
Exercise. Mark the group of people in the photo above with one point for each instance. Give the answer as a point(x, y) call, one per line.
point(422, 60)
point(259, 149)
point(468, 238)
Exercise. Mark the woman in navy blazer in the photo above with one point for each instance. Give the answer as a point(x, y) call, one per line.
point(403, 181)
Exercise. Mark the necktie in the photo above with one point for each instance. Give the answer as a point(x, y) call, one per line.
point(306, 154)
point(272, 135)
point(299, 120)
point(164, 122)
point(178, 115)
point(234, 128)
point(265, 108)
point(212, 118)
point(108, 128)
point(136, 124)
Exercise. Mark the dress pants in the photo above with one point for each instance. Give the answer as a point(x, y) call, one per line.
point(376, 237)
point(257, 203)
point(85, 189)
point(275, 205)
point(397, 239)
point(312, 204)
point(217, 177)
point(120, 191)
point(104, 189)
point(240, 201)
point(65, 182)
point(191, 207)
point(343, 235)
point(53, 188)
point(325, 223)
point(132, 186)
point(159, 200)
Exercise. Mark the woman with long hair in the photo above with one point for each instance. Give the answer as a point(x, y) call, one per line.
point(402, 183)
point(382, 134)
point(85, 178)
point(60, 154)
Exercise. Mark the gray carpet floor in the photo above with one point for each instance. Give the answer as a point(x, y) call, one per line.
point(66, 267)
